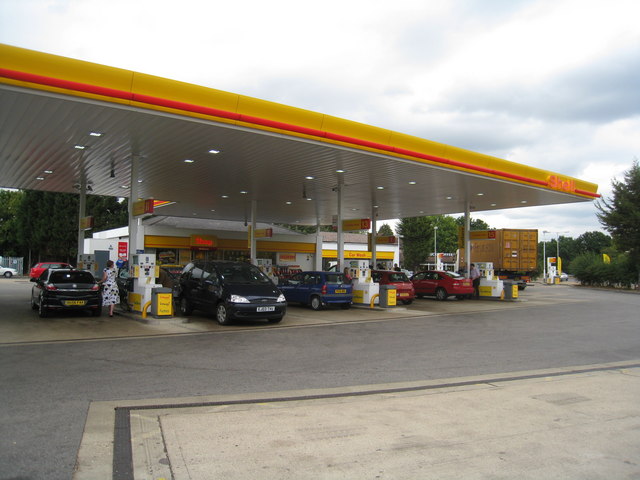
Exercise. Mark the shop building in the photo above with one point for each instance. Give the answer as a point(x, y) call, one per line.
point(177, 241)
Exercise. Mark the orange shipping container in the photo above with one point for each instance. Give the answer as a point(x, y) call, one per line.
point(513, 250)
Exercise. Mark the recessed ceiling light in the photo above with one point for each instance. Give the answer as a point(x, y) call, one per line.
point(79, 147)
point(95, 134)
point(288, 203)
point(188, 160)
point(139, 181)
point(124, 186)
point(310, 177)
point(493, 204)
point(339, 171)
point(412, 182)
point(354, 209)
point(213, 210)
point(375, 206)
point(48, 171)
point(480, 194)
point(308, 198)
point(380, 187)
point(214, 151)
point(523, 201)
point(39, 178)
point(243, 192)
point(449, 198)
point(224, 196)
point(194, 213)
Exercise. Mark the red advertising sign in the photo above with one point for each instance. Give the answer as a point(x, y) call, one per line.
point(123, 250)
point(356, 224)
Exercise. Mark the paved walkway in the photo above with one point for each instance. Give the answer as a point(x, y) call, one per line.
point(575, 423)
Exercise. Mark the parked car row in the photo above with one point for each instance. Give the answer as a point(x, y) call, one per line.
point(236, 290)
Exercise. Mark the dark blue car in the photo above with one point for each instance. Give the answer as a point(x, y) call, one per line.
point(318, 289)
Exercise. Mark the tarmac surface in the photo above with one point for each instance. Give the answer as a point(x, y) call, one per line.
point(570, 423)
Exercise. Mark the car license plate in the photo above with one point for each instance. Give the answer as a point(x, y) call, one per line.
point(341, 290)
point(73, 303)
point(265, 309)
point(404, 294)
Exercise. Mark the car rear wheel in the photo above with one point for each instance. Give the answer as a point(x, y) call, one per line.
point(42, 310)
point(441, 294)
point(315, 303)
point(185, 307)
point(7, 274)
point(222, 314)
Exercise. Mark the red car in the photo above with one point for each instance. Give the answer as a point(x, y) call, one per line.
point(38, 268)
point(404, 289)
point(442, 284)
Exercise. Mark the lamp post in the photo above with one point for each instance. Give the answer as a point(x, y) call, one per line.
point(435, 244)
point(544, 256)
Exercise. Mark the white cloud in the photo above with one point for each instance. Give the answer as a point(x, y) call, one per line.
point(548, 83)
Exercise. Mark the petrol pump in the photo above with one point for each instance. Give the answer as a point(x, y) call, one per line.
point(363, 287)
point(554, 267)
point(144, 272)
point(87, 261)
point(266, 266)
point(490, 285)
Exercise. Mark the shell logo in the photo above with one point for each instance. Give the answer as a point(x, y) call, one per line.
point(557, 183)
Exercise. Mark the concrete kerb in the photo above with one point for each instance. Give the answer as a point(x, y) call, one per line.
point(150, 446)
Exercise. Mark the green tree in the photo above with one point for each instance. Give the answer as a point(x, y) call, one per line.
point(417, 240)
point(385, 231)
point(620, 215)
point(306, 229)
point(596, 242)
point(475, 223)
point(47, 222)
point(418, 235)
point(9, 203)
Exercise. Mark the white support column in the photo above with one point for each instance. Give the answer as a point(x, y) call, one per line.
point(134, 244)
point(82, 211)
point(467, 237)
point(374, 230)
point(340, 258)
point(252, 238)
point(318, 258)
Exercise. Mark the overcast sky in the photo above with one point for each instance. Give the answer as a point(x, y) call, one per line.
point(553, 84)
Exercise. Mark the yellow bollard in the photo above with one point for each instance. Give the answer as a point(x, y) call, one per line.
point(144, 309)
point(373, 299)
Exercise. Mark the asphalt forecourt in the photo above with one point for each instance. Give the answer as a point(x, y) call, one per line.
point(569, 423)
point(23, 325)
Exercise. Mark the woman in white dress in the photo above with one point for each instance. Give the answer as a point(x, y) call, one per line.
point(110, 294)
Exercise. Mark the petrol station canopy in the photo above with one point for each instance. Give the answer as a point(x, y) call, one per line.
point(212, 154)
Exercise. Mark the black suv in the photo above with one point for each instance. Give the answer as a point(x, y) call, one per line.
point(231, 290)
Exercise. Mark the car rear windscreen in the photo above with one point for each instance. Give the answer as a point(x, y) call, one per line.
point(71, 277)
